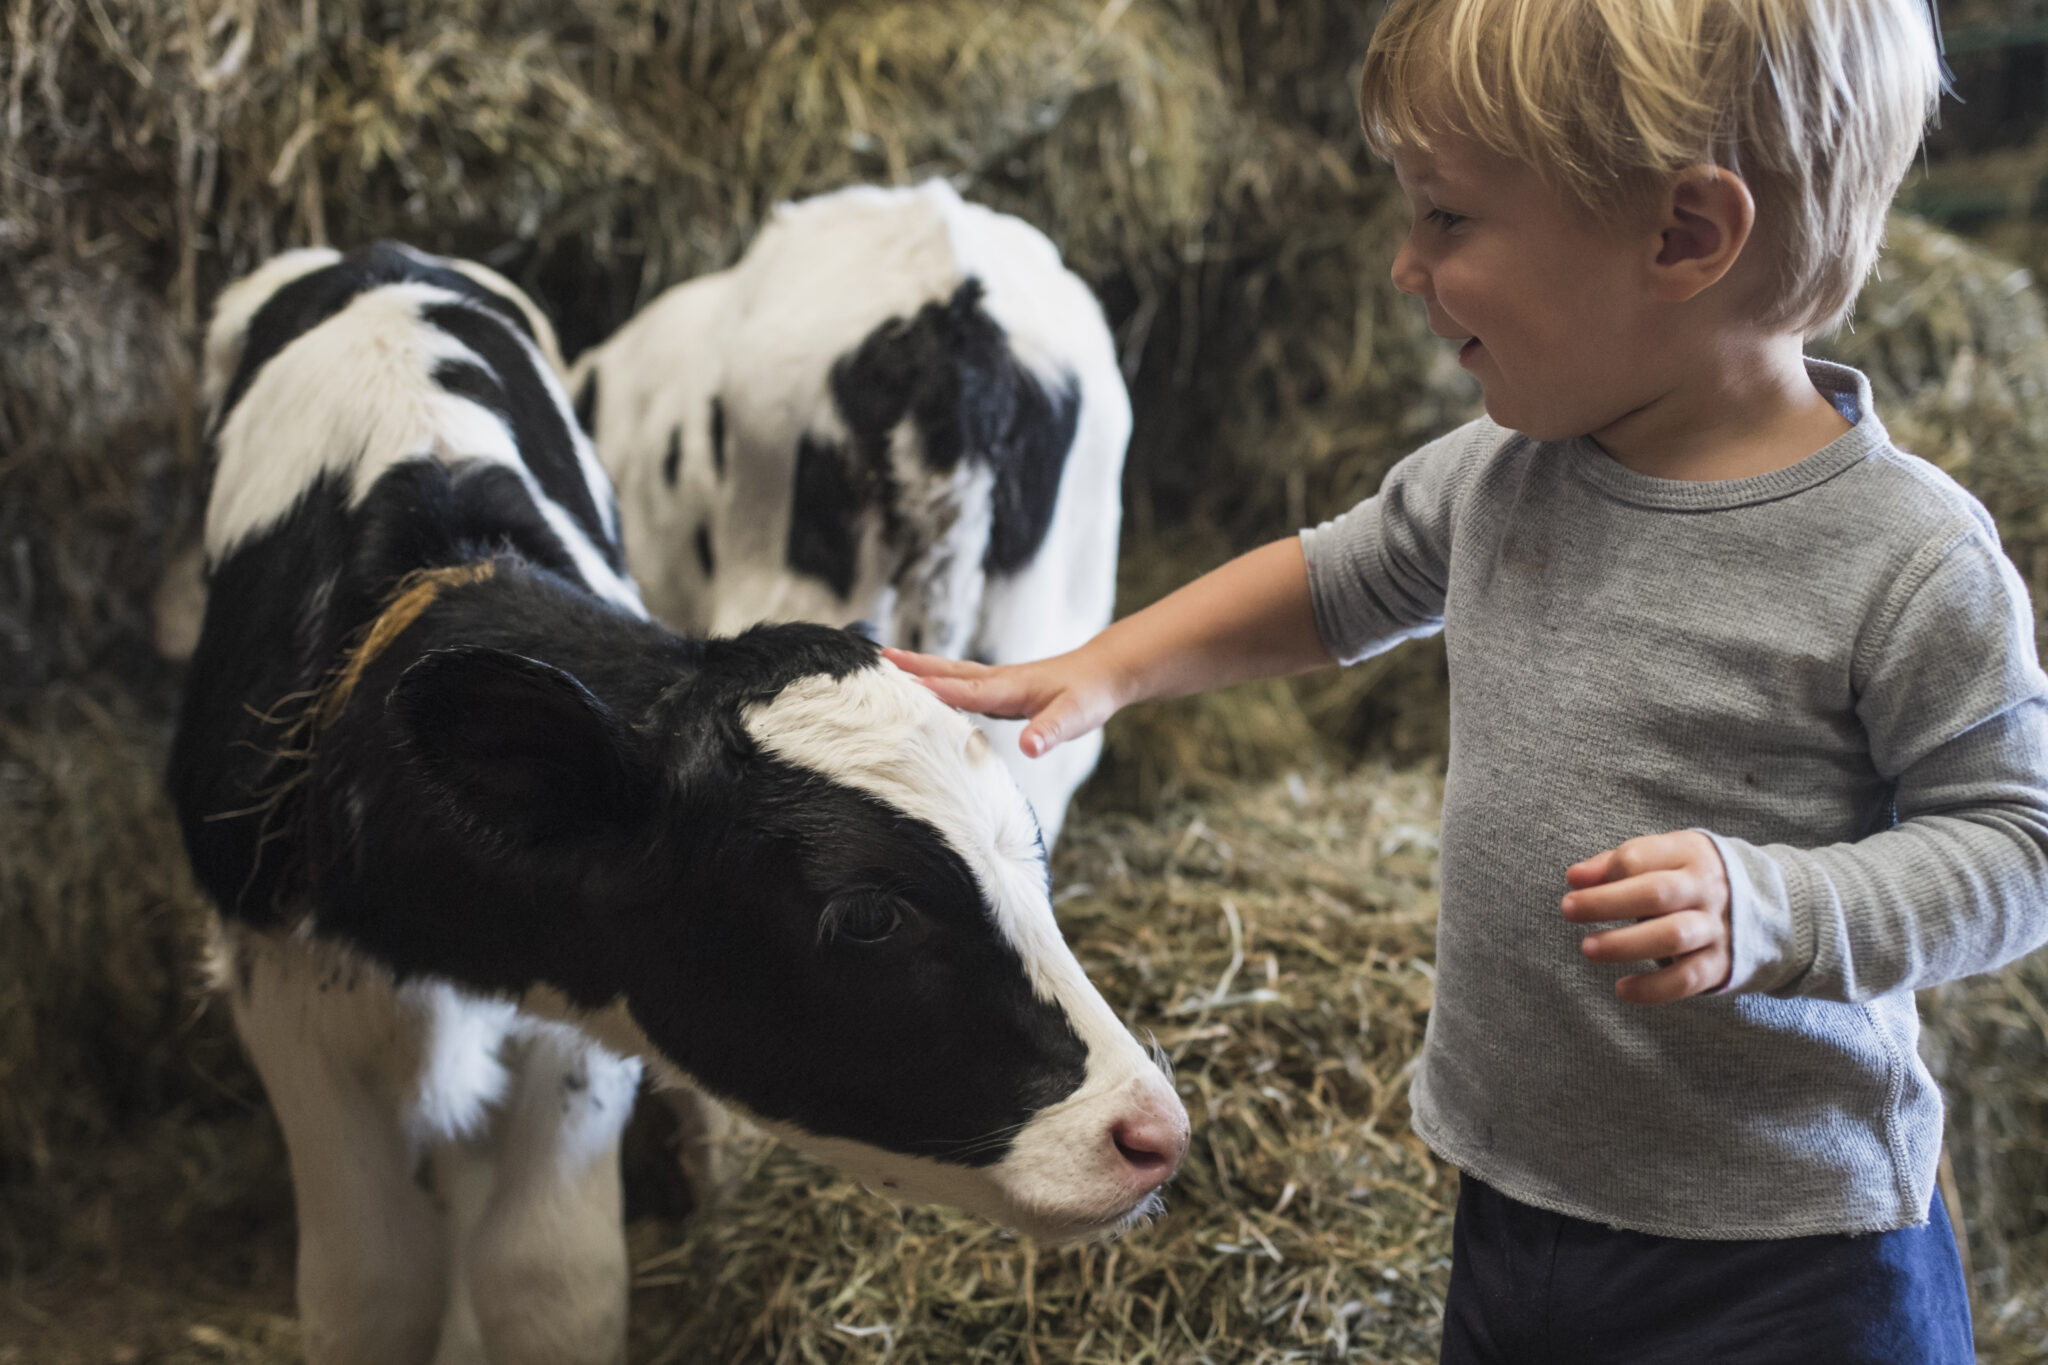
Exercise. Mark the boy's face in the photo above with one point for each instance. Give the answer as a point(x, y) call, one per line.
point(1559, 326)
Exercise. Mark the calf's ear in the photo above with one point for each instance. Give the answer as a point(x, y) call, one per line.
point(519, 747)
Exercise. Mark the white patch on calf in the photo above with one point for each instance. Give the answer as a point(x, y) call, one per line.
point(347, 1060)
point(639, 414)
point(518, 1256)
point(940, 585)
point(547, 1258)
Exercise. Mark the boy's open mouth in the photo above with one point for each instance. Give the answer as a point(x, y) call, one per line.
point(1469, 349)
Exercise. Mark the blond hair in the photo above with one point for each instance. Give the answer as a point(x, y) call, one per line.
point(1818, 105)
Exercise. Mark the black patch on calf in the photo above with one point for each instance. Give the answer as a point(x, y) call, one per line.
point(824, 516)
point(717, 436)
point(512, 387)
point(586, 403)
point(1028, 458)
point(281, 609)
point(230, 773)
point(672, 462)
point(942, 368)
point(704, 559)
point(951, 371)
point(422, 513)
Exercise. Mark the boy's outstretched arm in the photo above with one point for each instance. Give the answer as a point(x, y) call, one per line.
point(1249, 619)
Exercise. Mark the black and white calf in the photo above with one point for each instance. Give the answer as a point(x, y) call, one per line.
point(485, 840)
point(897, 408)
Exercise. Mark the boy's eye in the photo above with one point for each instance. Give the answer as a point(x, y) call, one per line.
point(1444, 218)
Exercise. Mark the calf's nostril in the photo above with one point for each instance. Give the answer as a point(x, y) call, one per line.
point(1148, 1145)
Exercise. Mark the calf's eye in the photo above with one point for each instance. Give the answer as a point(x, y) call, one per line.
point(860, 917)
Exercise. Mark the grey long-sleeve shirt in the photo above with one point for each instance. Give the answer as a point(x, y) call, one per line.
point(1831, 669)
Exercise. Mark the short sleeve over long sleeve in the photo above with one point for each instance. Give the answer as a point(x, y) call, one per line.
point(1377, 574)
point(1956, 712)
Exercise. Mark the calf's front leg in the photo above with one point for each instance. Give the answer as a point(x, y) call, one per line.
point(331, 1053)
point(547, 1262)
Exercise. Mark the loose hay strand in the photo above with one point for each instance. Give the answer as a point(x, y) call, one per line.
point(408, 601)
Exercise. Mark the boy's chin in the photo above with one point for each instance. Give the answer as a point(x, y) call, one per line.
point(1537, 426)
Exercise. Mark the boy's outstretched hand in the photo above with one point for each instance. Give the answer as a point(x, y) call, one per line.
point(1063, 697)
point(1675, 884)
point(1249, 619)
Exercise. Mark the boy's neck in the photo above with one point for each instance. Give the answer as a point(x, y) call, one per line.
point(1746, 408)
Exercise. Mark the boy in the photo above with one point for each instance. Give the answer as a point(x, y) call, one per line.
point(1738, 691)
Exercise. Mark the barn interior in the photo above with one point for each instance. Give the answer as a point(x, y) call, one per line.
point(1251, 874)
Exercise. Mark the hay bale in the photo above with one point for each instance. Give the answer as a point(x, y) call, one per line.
point(103, 1037)
point(93, 474)
point(1986, 1039)
point(597, 154)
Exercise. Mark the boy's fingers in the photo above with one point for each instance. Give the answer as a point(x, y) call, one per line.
point(1636, 897)
point(932, 665)
point(1590, 872)
point(1666, 936)
point(1646, 853)
point(1694, 974)
point(982, 696)
point(1653, 853)
point(1057, 722)
point(1037, 740)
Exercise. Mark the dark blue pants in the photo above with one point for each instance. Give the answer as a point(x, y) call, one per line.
point(1529, 1287)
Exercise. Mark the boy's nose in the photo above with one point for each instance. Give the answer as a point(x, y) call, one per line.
point(1409, 276)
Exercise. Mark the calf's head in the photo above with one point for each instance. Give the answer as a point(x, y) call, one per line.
point(798, 878)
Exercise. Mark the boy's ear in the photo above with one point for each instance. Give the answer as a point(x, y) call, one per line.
point(1707, 218)
point(517, 747)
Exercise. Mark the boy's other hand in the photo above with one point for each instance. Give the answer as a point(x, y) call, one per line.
point(1673, 883)
point(1062, 697)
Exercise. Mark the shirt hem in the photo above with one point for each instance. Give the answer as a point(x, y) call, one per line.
point(1511, 1185)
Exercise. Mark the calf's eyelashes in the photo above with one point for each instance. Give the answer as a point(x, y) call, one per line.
point(863, 919)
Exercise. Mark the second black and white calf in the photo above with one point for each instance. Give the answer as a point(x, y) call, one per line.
point(897, 408)
point(485, 840)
